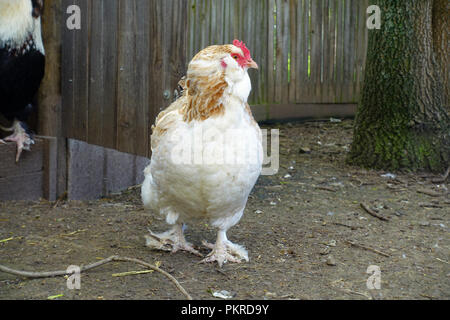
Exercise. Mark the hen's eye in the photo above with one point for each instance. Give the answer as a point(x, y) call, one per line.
point(235, 56)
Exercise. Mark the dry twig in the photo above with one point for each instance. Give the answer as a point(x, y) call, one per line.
point(325, 188)
point(346, 225)
point(37, 275)
point(373, 213)
point(430, 193)
point(367, 248)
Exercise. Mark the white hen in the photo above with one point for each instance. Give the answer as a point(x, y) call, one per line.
point(206, 153)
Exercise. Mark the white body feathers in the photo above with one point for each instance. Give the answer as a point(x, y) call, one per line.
point(17, 24)
point(206, 169)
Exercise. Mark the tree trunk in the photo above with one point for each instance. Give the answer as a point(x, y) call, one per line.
point(401, 121)
point(441, 14)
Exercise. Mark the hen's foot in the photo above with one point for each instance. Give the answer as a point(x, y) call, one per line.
point(21, 139)
point(172, 241)
point(225, 251)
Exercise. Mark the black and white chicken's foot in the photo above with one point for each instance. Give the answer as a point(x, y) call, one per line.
point(21, 138)
point(225, 251)
point(172, 241)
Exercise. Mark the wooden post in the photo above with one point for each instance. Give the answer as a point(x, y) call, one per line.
point(49, 97)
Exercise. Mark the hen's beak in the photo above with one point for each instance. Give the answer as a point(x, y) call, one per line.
point(252, 64)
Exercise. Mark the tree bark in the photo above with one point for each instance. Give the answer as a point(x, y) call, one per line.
point(401, 121)
point(441, 14)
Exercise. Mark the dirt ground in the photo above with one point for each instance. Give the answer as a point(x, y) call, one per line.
point(307, 235)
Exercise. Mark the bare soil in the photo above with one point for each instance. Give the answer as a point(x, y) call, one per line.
point(299, 226)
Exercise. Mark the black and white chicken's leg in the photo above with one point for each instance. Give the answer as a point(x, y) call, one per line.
point(20, 136)
point(172, 240)
point(225, 251)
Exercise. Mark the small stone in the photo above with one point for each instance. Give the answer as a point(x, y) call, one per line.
point(223, 295)
point(305, 150)
point(332, 243)
point(325, 251)
point(271, 295)
point(331, 261)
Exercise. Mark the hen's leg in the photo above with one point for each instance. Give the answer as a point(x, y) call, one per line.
point(21, 138)
point(225, 251)
point(172, 240)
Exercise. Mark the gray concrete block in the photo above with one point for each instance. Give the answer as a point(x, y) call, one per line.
point(85, 171)
point(95, 171)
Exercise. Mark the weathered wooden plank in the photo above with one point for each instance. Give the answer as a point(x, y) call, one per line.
point(348, 53)
point(81, 72)
point(282, 54)
point(103, 74)
point(50, 111)
point(68, 52)
point(286, 112)
point(97, 79)
point(340, 52)
point(271, 56)
point(286, 51)
point(142, 75)
point(316, 50)
point(179, 60)
point(292, 50)
point(214, 22)
point(303, 68)
point(331, 61)
point(326, 51)
point(156, 61)
point(261, 54)
point(299, 52)
point(167, 37)
point(258, 47)
point(227, 34)
point(361, 46)
point(30, 161)
point(353, 39)
point(127, 81)
point(35, 176)
point(191, 31)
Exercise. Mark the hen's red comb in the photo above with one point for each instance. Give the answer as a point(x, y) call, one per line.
point(241, 44)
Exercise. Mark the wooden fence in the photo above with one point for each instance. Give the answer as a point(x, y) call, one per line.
point(121, 68)
point(309, 51)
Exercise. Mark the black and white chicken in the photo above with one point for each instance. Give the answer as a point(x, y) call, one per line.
point(22, 65)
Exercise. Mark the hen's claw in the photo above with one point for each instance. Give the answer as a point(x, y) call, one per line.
point(23, 142)
point(172, 241)
point(20, 137)
point(225, 251)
